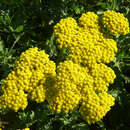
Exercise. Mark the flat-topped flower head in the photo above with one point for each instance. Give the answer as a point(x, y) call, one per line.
point(86, 43)
point(69, 80)
point(27, 80)
point(95, 106)
point(115, 22)
point(85, 74)
point(73, 82)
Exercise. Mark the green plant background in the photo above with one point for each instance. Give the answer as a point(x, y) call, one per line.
point(25, 24)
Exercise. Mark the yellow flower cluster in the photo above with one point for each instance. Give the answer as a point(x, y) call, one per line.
point(87, 44)
point(27, 80)
point(85, 75)
point(67, 95)
point(76, 85)
point(82, 81)
point(95, 106)
point(115, 22)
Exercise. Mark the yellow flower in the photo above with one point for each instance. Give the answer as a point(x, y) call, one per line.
point(27, 80)
point(95, 106)
point(85, 73)
point(86, 43)
point(115, 22)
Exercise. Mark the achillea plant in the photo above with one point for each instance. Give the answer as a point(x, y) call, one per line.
point(79, 83)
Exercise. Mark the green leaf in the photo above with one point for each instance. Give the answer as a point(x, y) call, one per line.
point(100, 123)
point(8, 18)
point(80, 126)
point(1, 46)
point(19, 28)
point(102, 4)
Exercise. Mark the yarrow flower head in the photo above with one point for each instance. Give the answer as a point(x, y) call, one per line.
point(86, 43)
point(89, 49)
point(115, 22)
point(27, 80)
point(95, 106)
point(72, 87)
point(67, 94)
